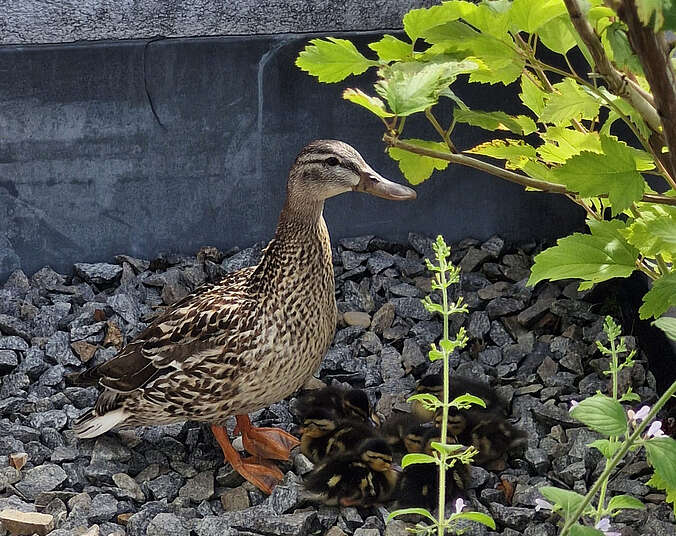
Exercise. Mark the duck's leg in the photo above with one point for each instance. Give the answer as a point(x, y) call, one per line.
point(271, 443)
point(261, 473)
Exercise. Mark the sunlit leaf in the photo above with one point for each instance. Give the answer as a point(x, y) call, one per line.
point(466, 400)
point(558, 34)
point(516, 152)
point(519, 124)
point(660, 297)
point(568, 501)
point(661, 454)
point(500, 62)
point(448, 449)
point(654, 231)
point(427, 399)
point(627, 110)
point(373, 104)
point(531, 95)
point(602, 414)
point(417, 168)
point(415, 458)
point(650, 12)
point(602, 255)
point(418, 21)
point(475, 516)
point(332, 59)
point(668, 325)
point(581, 530)
point(389, 48)
point(623, 55)
point(570, 102)
point(606, 447)
point(561, 143)
point(408, 511)
point(659, 483)
point(614, 173)
point(620, 502)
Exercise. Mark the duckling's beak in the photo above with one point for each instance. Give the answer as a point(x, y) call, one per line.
point(396, 468)
point(375, 184)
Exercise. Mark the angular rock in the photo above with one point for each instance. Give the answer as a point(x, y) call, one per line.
point(28, 523)
point(8, 361)
point(511, 516)
point(532, 314)
point(42, 478)
point(493, 246)
point(502, 306)
point(356, 318)
point(473, 258)
point(10, 325)
point(357, 243)
point(235, 499)
point(199, 488)
point(479, 324)
point(129, 485)
point(166, 524)
point(102, 508)
point(410, 308)
point(383, 318)
point(379, 261)
point(98, 273)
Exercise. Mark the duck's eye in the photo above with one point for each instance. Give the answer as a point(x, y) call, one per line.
point(332, 161)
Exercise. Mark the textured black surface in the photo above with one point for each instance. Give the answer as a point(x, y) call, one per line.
point(87, 171)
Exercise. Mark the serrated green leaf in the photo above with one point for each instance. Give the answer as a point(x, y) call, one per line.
point(332, 59)
point(659, 483)
point(558, 34)
point(516, 152)
point(625, 502)
point(606, 447)
point(415, 458)
point(411, 87)
point(568, 501)
point(417, 168)
point(660, 297)
point(500, 62)
point(475, 516)
point(529, 16)
point(448, 449)
point(531, 95)
point(623, 55)
point(668, 325)
point(602, 414)
point(661, 454)
point(466, 400)
point(427, 399)
point(561, 143)
point(452, 35)
point(372, 104)
point(628, 110)
point(603, 255)
point(570, 102)
point(630, 396)
point(613, 173)
point(581, 530)
point(654, 231)
point(519, 124)
point(408, 511)
point(419, 21)
point(389, 48)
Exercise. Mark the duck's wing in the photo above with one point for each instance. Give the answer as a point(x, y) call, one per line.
point(214, 319)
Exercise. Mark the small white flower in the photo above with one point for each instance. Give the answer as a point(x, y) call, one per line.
point(655, 430)
point(541, 504)
point(604, 526)
point(459, 505)
point(573, 405)
point(638, 416)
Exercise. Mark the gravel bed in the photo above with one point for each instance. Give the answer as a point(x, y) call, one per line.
point(536, 346)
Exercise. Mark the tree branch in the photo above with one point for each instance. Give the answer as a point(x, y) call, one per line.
point(618, 83)
point(511, 176)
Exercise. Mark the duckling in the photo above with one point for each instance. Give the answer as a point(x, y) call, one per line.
point(364, 476)
point(419, 484)
point(459, 385)
point(323, 435)
point(404, 431)
point(344, 403)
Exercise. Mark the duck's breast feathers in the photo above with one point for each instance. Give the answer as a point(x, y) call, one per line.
point(213, 320)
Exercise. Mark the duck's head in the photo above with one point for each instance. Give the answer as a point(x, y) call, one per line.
point(325, 168)
point(376, 453)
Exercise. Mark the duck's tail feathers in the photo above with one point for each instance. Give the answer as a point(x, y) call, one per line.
point(93, 425)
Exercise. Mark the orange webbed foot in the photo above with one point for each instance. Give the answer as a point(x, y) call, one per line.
point(270, 443)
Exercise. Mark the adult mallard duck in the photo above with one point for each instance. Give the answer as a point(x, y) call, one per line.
point(251, 339)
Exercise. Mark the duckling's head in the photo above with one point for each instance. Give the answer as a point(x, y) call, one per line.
point(318, 423)
point(456, 422)
point(414, 438)
point(356, 404)
point(376, 453)
point(431, 383)
point(325, 168)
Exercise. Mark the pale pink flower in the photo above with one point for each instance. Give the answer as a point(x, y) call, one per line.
point(541, 504)
point(573, 405)
point(459, 505)
point(655, 430)
point(604, 526)
point(638, 416)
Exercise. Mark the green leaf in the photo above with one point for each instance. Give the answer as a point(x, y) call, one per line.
point(660, 297)
point(428, 400)
point(630, 396)
point(561, 143)
point(581, 530)
point(419, 21)
point(668, 325)
point(475, 516)
point(602, 414)
point(625, 502)
point(558, 34)
point(654, 231)
point(466, 400)
point(389, 48)
point(661, 454)
point(499, 61)
point(650, 12)
point(613, 173)
point(407, 511)
point(448, 449)
point(412, 87)
point(414, 458)
point(569, 501)
point(516, 152)
point(531, 95)
point(623, 55)
point(417, 168)
point(332, 59)
point(628, 110)
point(529, 16)
point(520, 124)
point(659, 483)
point(605, 447)
point(372, 104)
point(570, 102)
point(597, 257)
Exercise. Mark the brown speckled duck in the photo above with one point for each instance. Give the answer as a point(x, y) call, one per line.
point(251, 339)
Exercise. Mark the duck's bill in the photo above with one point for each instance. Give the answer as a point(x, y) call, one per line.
point(375, 184)
point(397, 468)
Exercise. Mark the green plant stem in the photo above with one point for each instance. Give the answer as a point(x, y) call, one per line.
point(523, 180)
point(444, 421)
point(617, 458)
point(440, 130)
point(664, 268)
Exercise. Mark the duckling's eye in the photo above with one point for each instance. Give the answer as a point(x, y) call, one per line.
point(332, 161)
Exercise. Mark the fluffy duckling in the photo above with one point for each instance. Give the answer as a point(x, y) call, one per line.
point(324, 435)
point(364, 476)
point(344, 403)
point(459, 385)
point(404, 432)
point(419, 484)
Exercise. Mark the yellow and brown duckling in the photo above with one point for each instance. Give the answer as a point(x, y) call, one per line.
point(343, 403)
point(324, 435)
point(364, 476)
point(249, 340)
point(458, 386)
point(404, 432)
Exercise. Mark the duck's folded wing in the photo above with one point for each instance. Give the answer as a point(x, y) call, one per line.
point(210, 321)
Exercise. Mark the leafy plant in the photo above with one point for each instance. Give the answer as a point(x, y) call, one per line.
point(445, 455)
point(624, 432)
point(567, 139)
